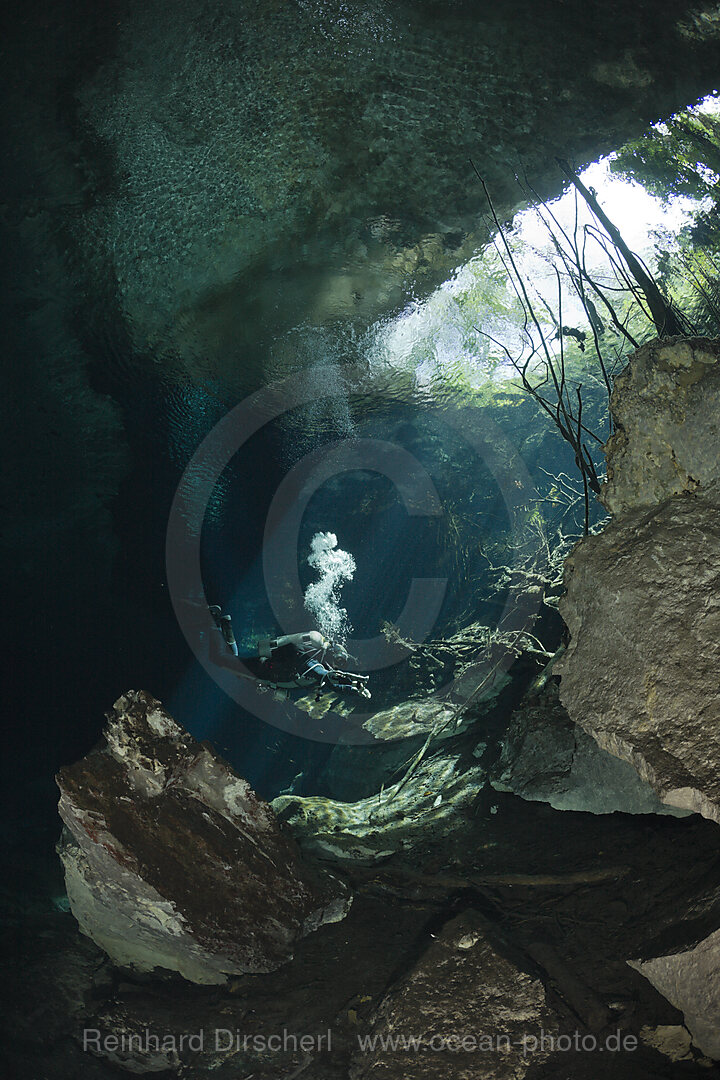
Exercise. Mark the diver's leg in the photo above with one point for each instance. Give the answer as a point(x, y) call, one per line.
point(224, 624)
point(229, 634)
point(316, 671)
point(343, 678)
point(351, 681)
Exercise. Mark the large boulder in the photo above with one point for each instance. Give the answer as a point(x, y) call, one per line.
point(641, 671)
point(429, 803)
point(690, 980)
point(465, 1010)
point(354, 772)
point(665, 405)
point(173, 862)
point(547, 758)
point(643, 608)
point(453, 685)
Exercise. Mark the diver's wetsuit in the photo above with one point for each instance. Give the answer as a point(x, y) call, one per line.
point(293, 661)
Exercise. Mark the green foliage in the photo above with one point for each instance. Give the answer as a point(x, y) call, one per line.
point(682, 157)
point(679, 157)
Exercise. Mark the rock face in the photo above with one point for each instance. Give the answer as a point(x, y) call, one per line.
point(357, 772)
point(666, 405)
point(641, 672)
point(691, 982)
point(173, 862)
point(465, 1010)
point(643, 608)
point(547, 758)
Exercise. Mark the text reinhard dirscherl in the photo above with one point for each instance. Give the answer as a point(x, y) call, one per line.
point(225, 1040)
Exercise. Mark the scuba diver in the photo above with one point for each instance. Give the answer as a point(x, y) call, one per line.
point(295, 661)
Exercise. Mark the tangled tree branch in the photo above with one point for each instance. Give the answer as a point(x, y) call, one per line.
point(542, 368)
point(560, 407)
point(668, 321)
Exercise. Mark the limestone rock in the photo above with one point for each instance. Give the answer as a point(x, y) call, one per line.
point(415, 718)
point(469, 1008)
point(432, 799)
point(474, 663)
point(354, 772)
point(666, 407)
point(641, 672)
point(547, 758)
point(672, 1040)
point(691, 982)
point(173, 862)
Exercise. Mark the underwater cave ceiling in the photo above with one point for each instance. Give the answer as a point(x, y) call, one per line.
point(248, 168)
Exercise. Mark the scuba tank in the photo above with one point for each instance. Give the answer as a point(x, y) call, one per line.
point(312, 641)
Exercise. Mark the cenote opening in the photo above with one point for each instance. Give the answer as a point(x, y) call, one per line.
point(361, 515)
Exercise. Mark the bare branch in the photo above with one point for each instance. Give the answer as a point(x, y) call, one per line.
point(665, 318)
